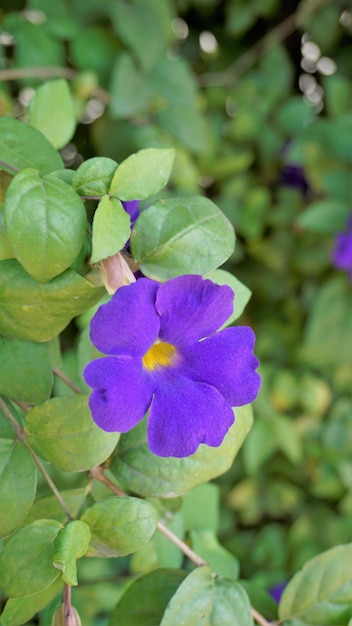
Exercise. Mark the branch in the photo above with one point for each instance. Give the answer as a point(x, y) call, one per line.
point(66, 380)
point(97, 473)
point(21, 435)
point(7, 165)
point(278, 34)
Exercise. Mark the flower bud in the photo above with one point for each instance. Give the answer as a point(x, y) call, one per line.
point(116, 273)
point(71, 618)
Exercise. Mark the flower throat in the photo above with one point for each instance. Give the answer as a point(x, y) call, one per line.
point(161, 354)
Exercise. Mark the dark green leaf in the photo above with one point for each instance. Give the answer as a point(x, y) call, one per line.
point(53, 95)
point(37, 312)
point(181, 236)
point(120, 526)
point(25, 370)
point(26, 561)
point(169, 477)
point(321, 593)
point(49, 506)
point(71, 544)
point(62, 432)
point(94, 176)
point(111, 228)
point(18, 482)
point(145, 600)
point(142, 174)
point(205, 598)
point(324, 216)
point(17, 141)
point(47, 245)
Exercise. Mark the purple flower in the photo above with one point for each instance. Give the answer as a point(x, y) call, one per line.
point(342, 252)
point(167, 357)
point(276, 591)
point(132, 208)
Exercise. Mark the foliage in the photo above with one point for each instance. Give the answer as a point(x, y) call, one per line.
point(220, 116)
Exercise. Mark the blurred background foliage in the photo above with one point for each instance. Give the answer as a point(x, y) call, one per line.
point(255, 96)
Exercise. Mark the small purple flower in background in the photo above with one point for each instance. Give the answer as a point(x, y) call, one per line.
point(293, 176)
point(342, 252)
point(166, 356)
point(276, 591)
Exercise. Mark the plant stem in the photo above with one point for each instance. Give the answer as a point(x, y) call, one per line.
point(21, 435)
point(278, 34)
point(260, 619)
point(7, 165)
point(66, 380)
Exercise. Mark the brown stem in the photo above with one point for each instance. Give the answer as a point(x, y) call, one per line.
point(21, 435)
point(7, 165)
point(260, 619)
point(66, 380)
point(16, 73)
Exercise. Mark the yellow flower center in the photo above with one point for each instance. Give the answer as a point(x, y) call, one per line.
point(161, 354)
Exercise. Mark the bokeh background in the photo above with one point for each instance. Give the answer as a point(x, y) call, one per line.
point(255, 97)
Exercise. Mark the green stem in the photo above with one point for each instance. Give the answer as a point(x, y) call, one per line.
point(66, 380)
point(8, 166)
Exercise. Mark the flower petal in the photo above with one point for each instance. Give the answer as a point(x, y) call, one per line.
point(227, 362)
point(184, 414)
point(129, 323)
point(121, 392)
point(191, 308)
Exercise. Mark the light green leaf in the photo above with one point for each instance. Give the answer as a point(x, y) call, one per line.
point(169, 477)
point(62, 432)
point(18, 611)
point(111, 228)
point(324, 216)
point(242, 293)
point(181, 236)
point(54, 95)
point(200, 508)
point(18, 482)
point(321, 592)
point(204, 598)
point(49, 506)
point(71, 544)
point(119, 526)
point(45, 221)
point(221, 561)
point(146, 598)
point(94, 176)
point(25, 370)
point(23, 146)
point(142, 174)
point(26, 561)
point(130, 92)
point(37, 312)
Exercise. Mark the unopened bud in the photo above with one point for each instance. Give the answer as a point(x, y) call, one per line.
point(66, 616)
point(116, 273)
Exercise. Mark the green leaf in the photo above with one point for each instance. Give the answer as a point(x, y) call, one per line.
point(143, 21)
point(221, 561)
point(205, 598)
point(17, 141)
point(25, 370)
point(94, 176)
point(111, 228)
point(49, 506)
point(53, 95)
point(62, 431)
point(181, 236)
point(26, 561)
point(142, 174)
point(324, 216)
point(37, 312)
point(200, 508)
point(71, 544)
point(18, 482)
point(242, 293)
point(18, 611)
point(47, 245)
point(321, 592)
point(145, 600)
point(130, 92)
point(120, 526)
point(169, 477)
